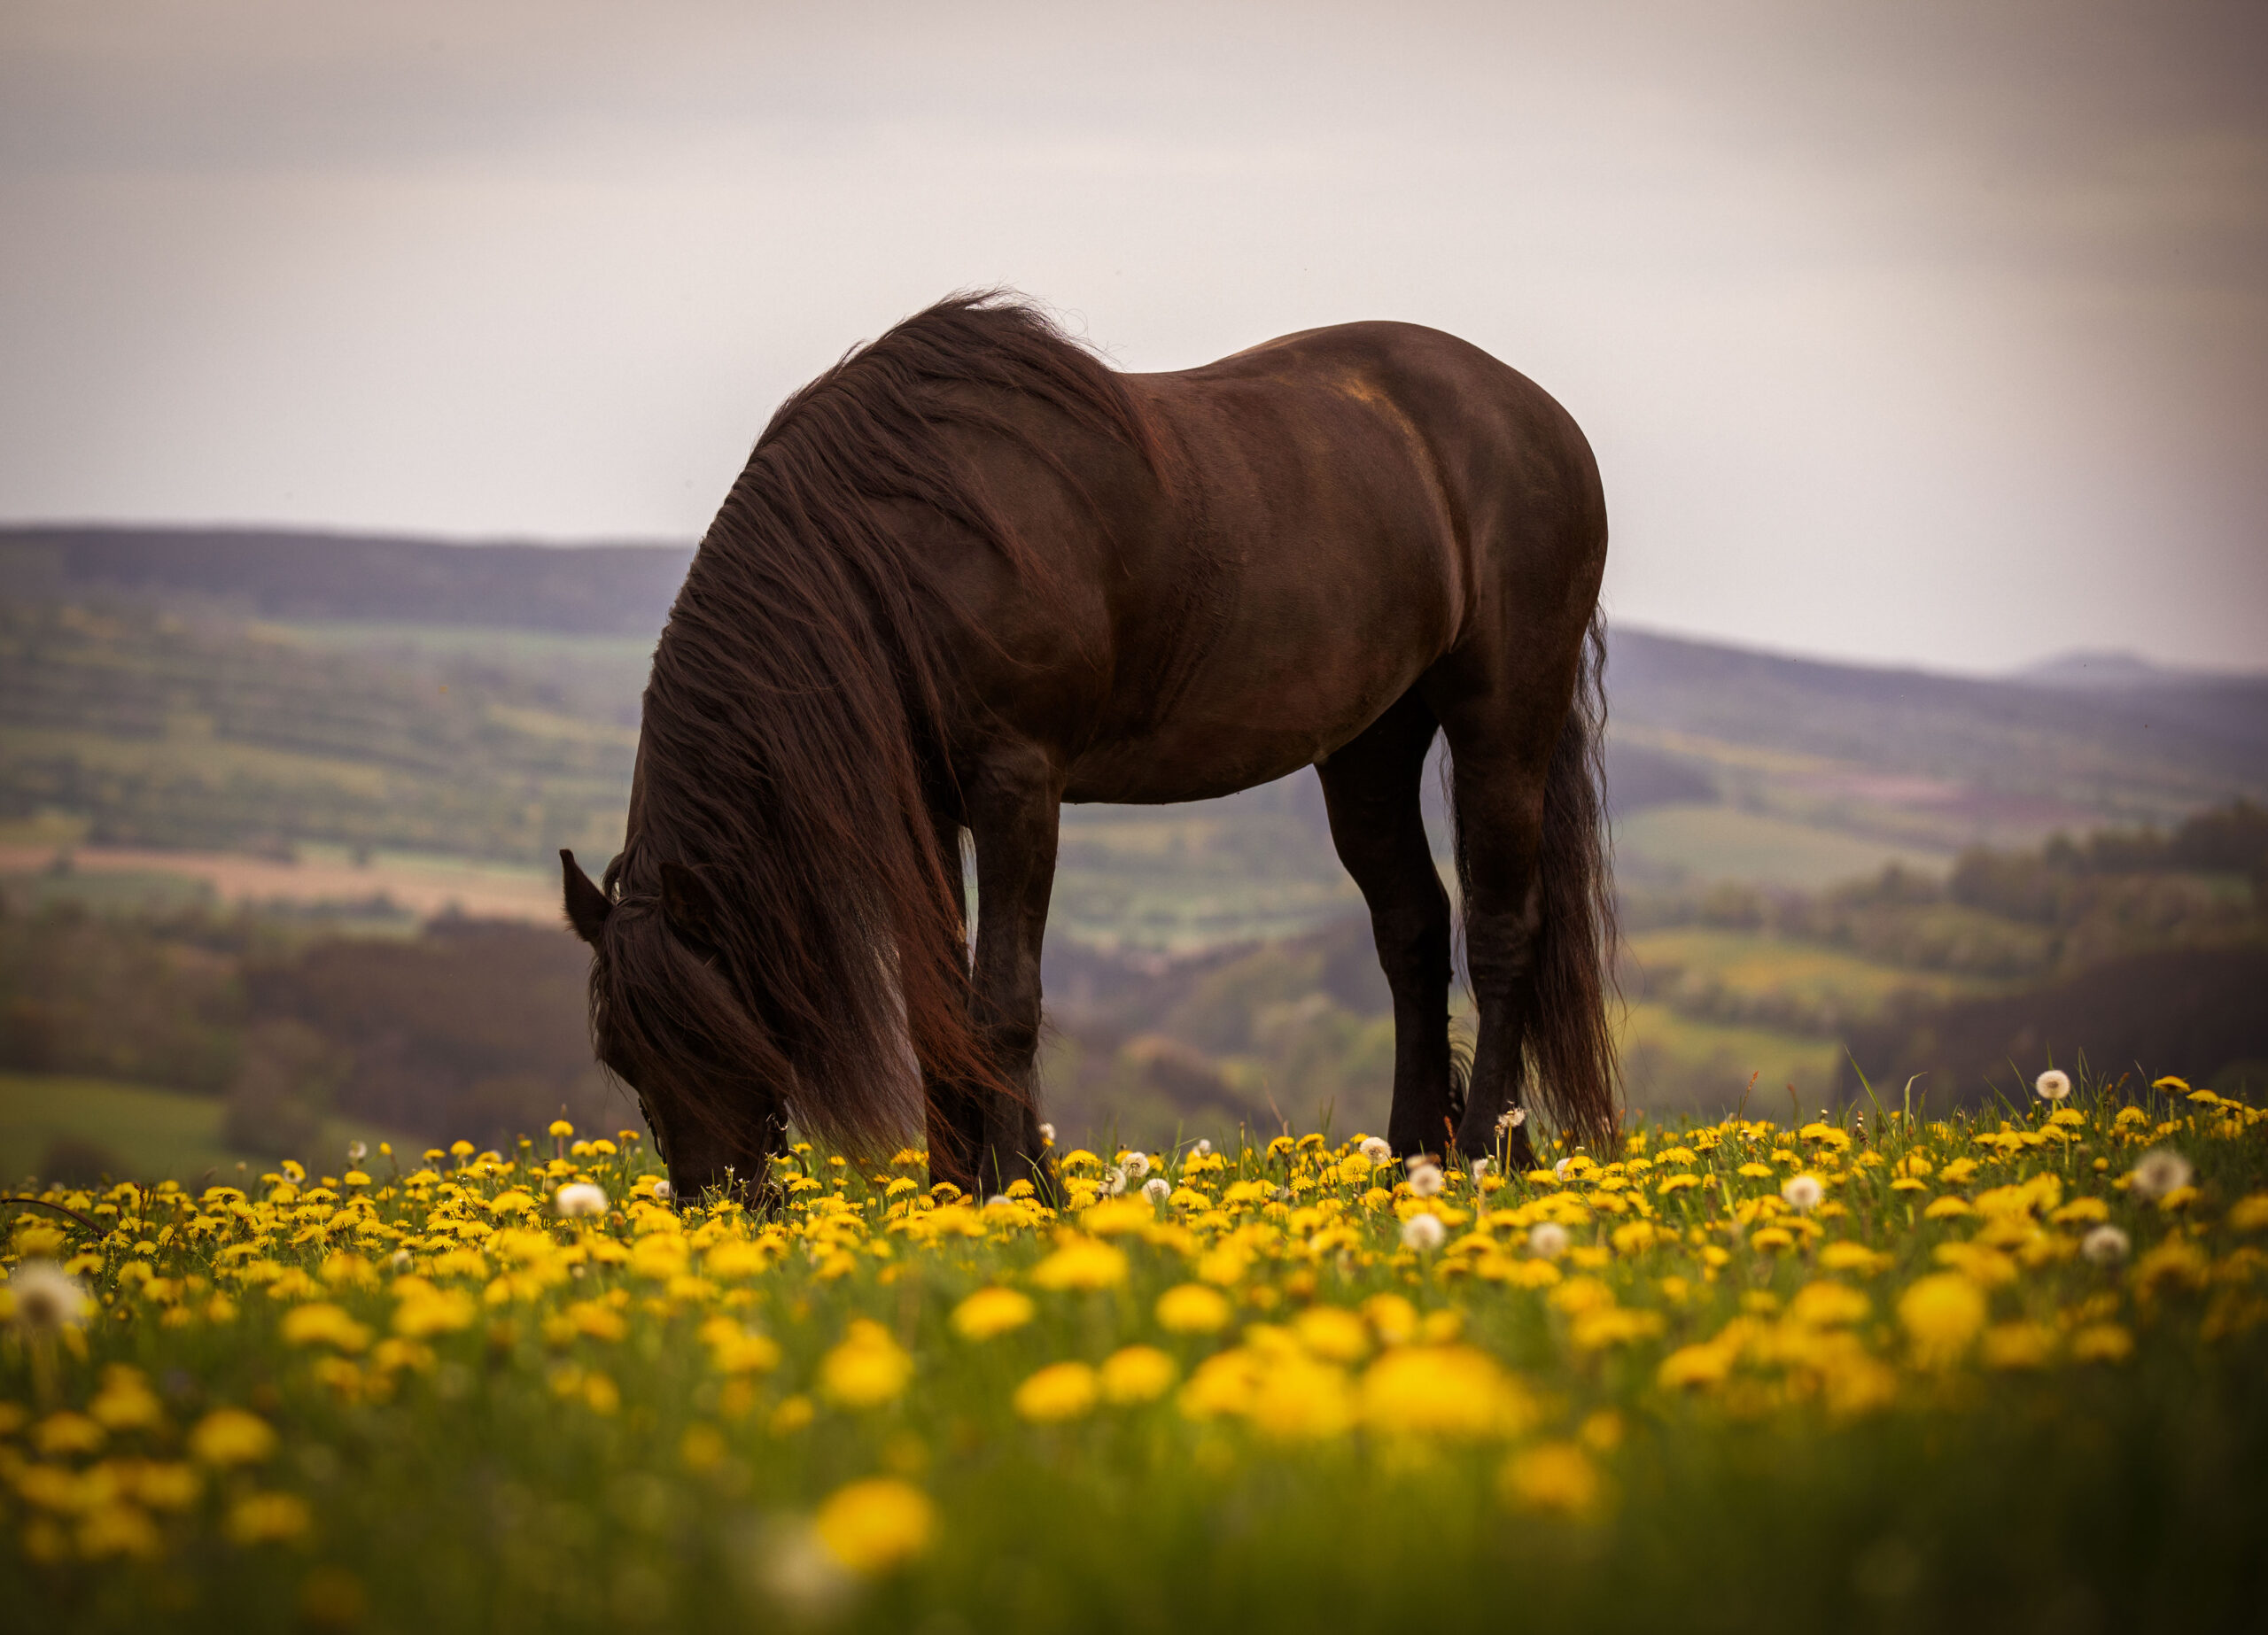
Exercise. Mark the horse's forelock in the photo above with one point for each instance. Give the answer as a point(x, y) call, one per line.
point(831, 1054)
point(678, 1027)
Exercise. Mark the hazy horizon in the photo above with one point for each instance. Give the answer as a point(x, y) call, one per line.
point(1910, 334)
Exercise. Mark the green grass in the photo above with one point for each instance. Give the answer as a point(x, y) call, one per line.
point(154, 1134)
point(1912, 1402)
point(1726, 842)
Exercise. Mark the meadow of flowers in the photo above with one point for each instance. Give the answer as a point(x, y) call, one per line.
point(1872, 1372)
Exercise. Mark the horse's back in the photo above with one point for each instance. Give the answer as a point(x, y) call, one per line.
point(1347, 500)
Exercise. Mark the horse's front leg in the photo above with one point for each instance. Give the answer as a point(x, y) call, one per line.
point(1012, 805)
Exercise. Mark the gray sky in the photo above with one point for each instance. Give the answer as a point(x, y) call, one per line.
point(1918, 331)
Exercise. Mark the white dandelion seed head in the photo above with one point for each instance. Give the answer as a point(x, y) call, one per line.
point(1510, 1119)
point(356, 1151)
point(1113, 1182)
point(1376, 1151)
point(2106, 1245)
point(1157, 1190)
point(796, 1569)
point(580, 1198)
point(1204, 1149)
point(1547, 1240)
point(2053, 1085)
point(1424, 1233)
point(662, 1191)
point(1047, 1133)
point(1481, 1167)
point(47, 1297)
point(1136, 1165)
point(1802, 1193)
point(1560, 1170)
point(1425, 1180)
point(1000, 1200)
point(400, 1260)
point(2160, 1170)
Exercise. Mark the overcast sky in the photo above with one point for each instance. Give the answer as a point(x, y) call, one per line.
point(1915, 331)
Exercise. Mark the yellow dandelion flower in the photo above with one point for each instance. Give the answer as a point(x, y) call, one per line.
point(67, 1432)
point(1392, 1318)
point(2175, 1260)
point(1578, 1295)
point(231, 1437)
point(1613, 1325)
point(702, 1447)
point(735, 1258)
point(1193, 1308)
point(2018, 1345)
point(1333, 1332)
point(1827, 1305)
point(992, 1311)
point(1082, 1263)
point(269, 1518)
point(1136, 1374)
point(1300, 1399)
point(1225, 1265)
point(1225, 1382)
point(425, 1310)
point(1942, 1313)
point(873, 1526)
point(743, 1352)
point(1557, 1477)
point(1705, 1363)
point(114, 1529)
point(1443, 1391)
point(793, 1413)
point(1060, 1391)
point(1855, 1383)
point(165, 1486)
point(2101, 1342)
point(866, 1369)
point(1856, 1258)
point(321, 1323)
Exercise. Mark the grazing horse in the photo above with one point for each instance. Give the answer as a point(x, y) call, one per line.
point(970, 573)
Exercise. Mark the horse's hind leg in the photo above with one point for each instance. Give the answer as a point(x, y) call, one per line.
point(1370, 789)
point(1501, 739)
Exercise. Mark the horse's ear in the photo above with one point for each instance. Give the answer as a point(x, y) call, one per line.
point(690, 906)
point(587, 905)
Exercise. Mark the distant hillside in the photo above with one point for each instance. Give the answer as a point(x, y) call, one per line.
point(2093, 669)
point(2150, 751)
point(141, 728)
point(1724, 763)
point(599, 590)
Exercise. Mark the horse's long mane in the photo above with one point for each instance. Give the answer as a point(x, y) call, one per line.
point(792, 748)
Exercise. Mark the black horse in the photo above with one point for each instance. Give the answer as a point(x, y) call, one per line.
point(970, 573)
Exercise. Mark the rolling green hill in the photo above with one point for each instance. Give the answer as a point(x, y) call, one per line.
point(147, 727)
point(482, 700)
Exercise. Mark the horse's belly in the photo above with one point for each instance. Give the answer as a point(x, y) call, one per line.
point(1156, 774)
point(1259, 707)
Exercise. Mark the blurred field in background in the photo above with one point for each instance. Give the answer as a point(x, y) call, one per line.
point(278, 816)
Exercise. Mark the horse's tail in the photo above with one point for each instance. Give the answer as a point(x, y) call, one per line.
point(1571, 1040)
